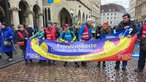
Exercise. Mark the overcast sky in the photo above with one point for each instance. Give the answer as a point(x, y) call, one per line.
point(124, 3)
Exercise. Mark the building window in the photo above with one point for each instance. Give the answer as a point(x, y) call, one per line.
point(107, 17)
point(102, 10)
point(111, 17)
point(114, 17)
point(107, 13)
point(110, 22)
point(103, 14)
point(115, 13)
point(111, 13)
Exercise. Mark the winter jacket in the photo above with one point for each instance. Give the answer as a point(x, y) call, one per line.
point(6, 34)
point(81, 30)
point(30, 31)
point(122, 25)
point(22, 39)
point(38, 35)
point(67, 36)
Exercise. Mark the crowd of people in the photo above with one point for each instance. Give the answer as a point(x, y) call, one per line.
point(9, 37)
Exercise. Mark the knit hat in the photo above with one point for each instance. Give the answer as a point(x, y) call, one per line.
point(49, 22)
point(66, 25)
point(105, 25)
point(3, 23)
point(19, 26)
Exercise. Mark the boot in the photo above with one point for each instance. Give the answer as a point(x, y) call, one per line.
point(77, 65)
point(65, 64)
point(98, 65)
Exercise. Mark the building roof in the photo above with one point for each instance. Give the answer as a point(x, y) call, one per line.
point(112, 7)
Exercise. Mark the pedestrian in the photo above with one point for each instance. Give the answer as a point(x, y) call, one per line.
point(105, 29)
point(51, 33)
point(125, 24)
point(30, 30)
point(85, 34)
point(22, 36)
point(141, 61)
point(6, 38)
point(39, 34)
point(68, 36)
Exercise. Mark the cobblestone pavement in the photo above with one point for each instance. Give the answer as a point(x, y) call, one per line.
point(44, 73)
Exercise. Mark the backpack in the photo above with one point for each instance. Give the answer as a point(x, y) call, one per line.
point(70, 34)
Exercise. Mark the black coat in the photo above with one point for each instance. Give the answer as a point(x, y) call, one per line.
point(122, 25)
point(30, 31)
point(18, 39)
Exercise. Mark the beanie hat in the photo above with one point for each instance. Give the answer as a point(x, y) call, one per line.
point(105, 25)
point(49, 22)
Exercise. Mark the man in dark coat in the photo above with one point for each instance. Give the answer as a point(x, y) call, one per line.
point(125, 24)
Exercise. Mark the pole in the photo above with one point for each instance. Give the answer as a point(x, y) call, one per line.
point(7, 12)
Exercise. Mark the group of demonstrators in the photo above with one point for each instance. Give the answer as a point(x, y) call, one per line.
point(9, 36)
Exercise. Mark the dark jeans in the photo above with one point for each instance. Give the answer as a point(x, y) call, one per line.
point(141, 61)
point(24, 54)
point(124, 63)
point(9, 54)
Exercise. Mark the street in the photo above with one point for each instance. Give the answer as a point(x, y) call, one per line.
point(45, 73)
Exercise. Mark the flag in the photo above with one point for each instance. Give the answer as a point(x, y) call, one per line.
point(53, 1)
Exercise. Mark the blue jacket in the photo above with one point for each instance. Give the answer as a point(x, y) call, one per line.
point(82, 30)
point(67, 36)
point(6, 33)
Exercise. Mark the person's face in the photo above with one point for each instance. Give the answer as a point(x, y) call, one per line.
point(40, 29)
point(3, 26)
point(89, 23)
point(126, 19)
point(66, 28)
point(49, 25)
point(22, 28)
point(105, 27)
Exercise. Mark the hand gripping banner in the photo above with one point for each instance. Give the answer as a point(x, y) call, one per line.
point(113, 49)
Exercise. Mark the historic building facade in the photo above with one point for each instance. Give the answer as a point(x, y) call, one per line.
point(70, 11)
point(112, 14)
point(26, 12)
point(140, 11)
point(132, 5)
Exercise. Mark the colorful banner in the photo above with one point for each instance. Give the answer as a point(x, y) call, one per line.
point(113, 49)
point(53, 1)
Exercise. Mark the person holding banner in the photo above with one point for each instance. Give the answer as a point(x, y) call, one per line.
point(22, 36)
point(85, 34)
point(141, 61)
point(68, 36)
point(126, 24)
point(39, 34)
point(105, 29)
point(51, 33)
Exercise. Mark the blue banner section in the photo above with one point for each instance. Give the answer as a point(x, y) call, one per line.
point(50, 1)
point(118, 34)
point(136, 51)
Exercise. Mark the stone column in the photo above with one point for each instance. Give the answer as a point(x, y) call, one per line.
point(15, 15)
point(30, 18)
point(41, 19)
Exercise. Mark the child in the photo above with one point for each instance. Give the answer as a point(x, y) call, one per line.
point(105, 29)
point(68, 36)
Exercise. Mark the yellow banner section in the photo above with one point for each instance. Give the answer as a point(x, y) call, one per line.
point(110, 49)
point(56, 1)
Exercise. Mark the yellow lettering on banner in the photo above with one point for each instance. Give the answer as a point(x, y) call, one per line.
point(109, 50)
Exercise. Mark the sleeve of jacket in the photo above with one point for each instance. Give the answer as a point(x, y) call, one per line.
point(74, 36)
point(34, 36)
point(11, 35)
point(81, 32)
point(41, 35)
point(134, 29)
point(61, 37)
point(120, 27)
point(57, 33)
